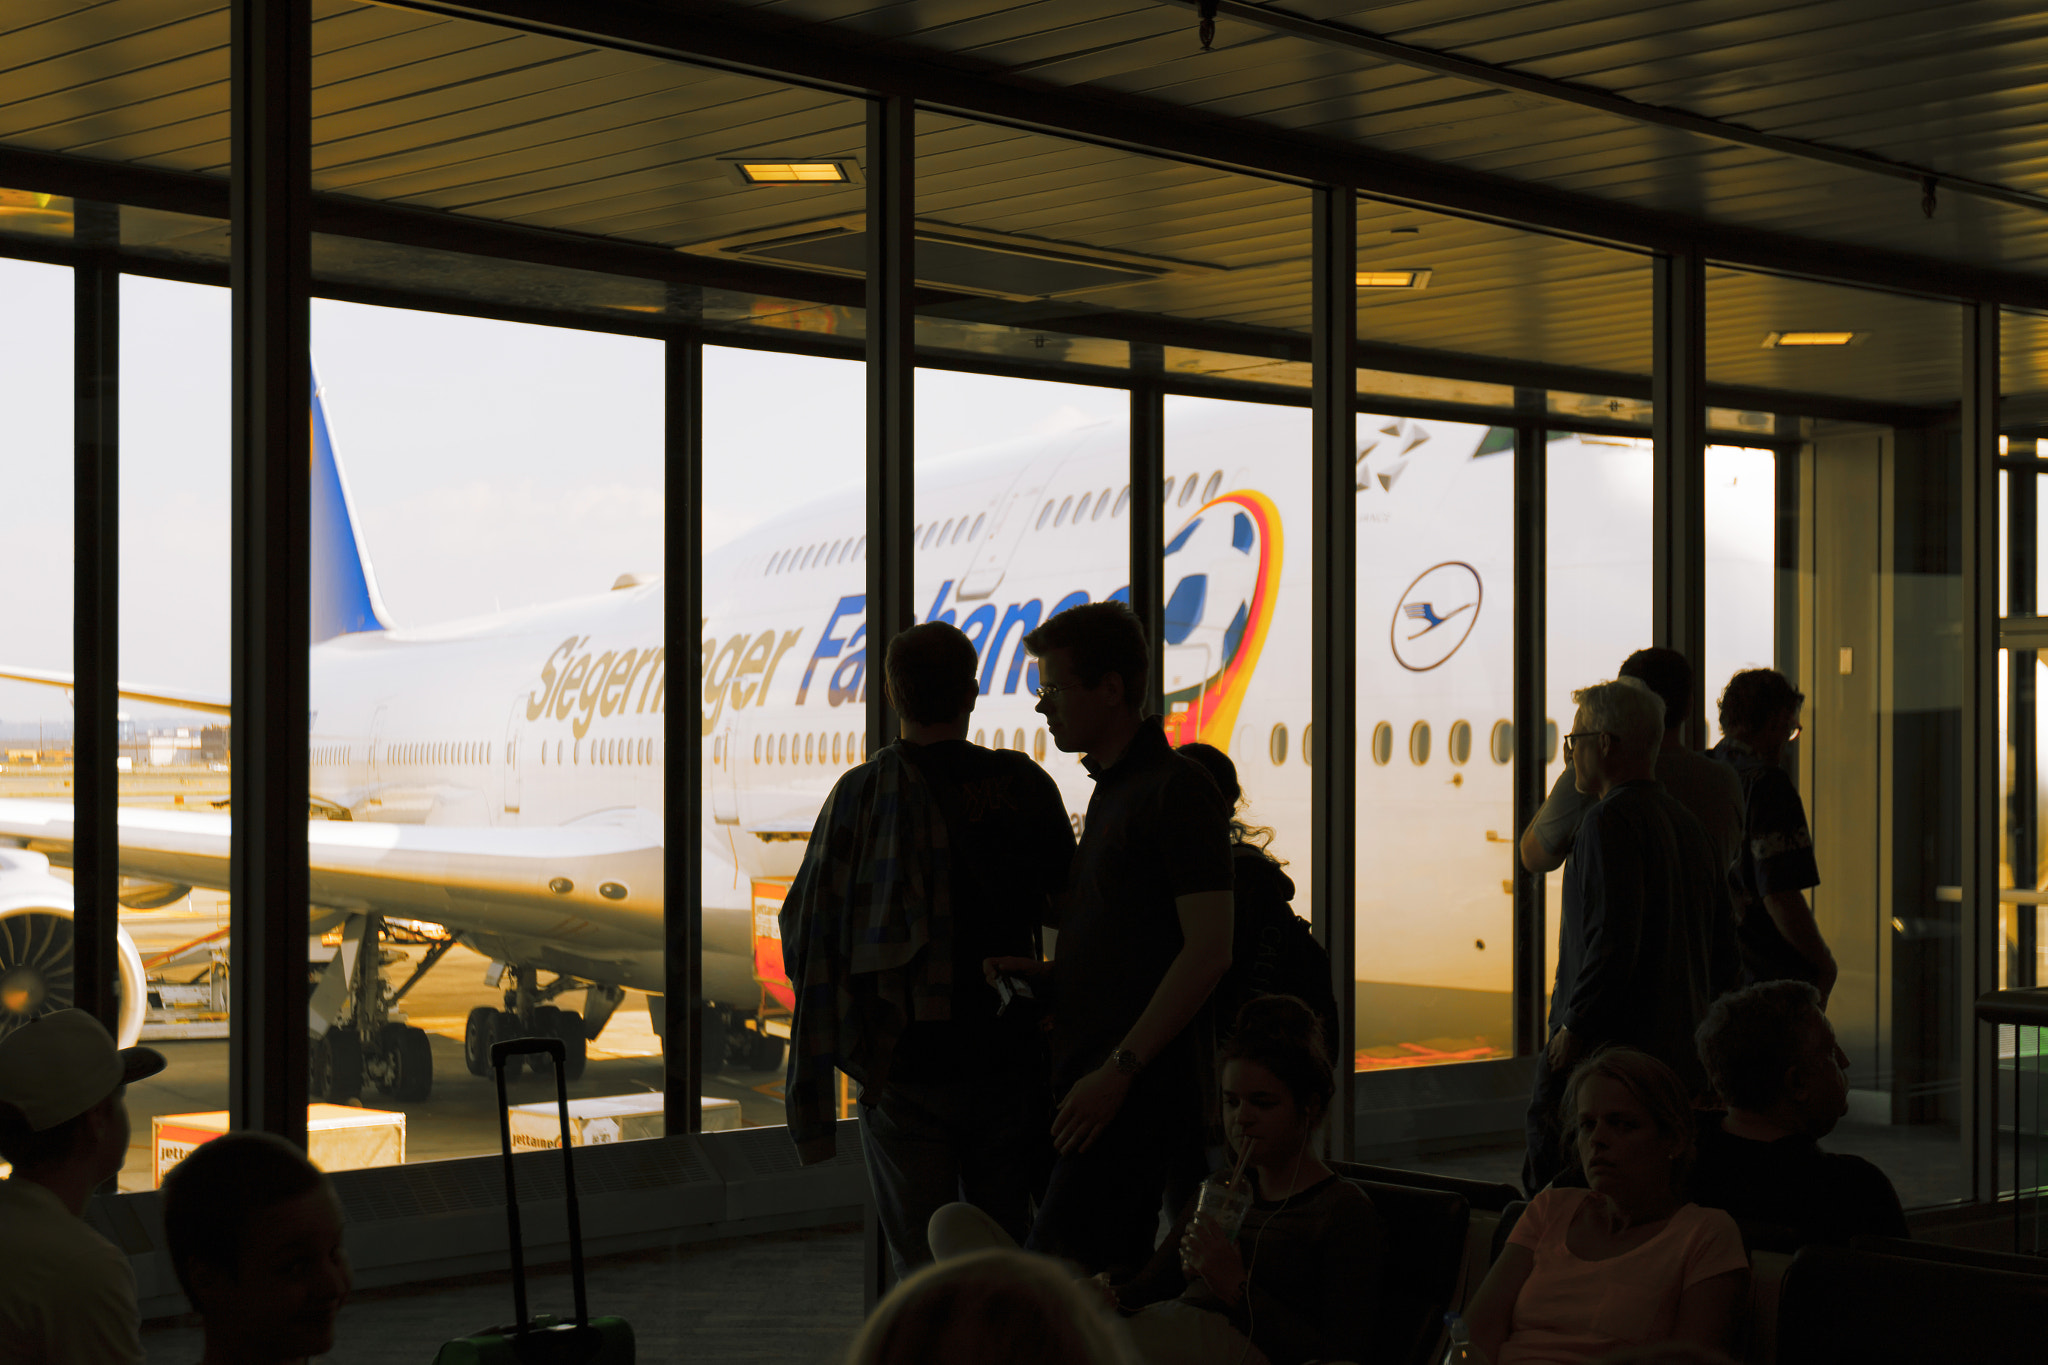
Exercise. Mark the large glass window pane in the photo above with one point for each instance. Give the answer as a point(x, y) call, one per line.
point(36, 935)
point(1435, 818)
point(487, 661)
point(1868, 626)
point(784, 671)
point(176, 760)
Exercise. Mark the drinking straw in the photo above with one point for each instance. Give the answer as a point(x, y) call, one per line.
point(1239, 1170)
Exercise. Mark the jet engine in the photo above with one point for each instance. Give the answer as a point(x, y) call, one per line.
point(36, 949)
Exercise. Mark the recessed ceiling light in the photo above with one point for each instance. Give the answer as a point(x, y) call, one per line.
point(1394, 279)
point(1776, 339)
point(821, 171)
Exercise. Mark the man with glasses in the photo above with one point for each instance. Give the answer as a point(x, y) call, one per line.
point(1144, 936)
point(1774, 925)
point(1646, 942)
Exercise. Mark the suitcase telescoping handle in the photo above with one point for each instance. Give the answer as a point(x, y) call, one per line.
point(514, 1047)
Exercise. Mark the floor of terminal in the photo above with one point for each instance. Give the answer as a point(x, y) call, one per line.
point(792, 1298)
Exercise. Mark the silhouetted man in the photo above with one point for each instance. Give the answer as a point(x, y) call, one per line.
point(1773, 1060)
point(1144, 936)
point(67, 1294)
point(1708, 789)
point(1773, 923)
point(1645, 943)
point(929, 859)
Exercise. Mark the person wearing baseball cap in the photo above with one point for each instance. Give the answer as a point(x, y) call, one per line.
point(67, 1294)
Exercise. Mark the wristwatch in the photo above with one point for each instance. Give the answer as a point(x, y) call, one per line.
point(1127, 1061)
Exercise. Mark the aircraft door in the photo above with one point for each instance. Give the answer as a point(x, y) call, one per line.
point(1014, 513)
point(725, 796)
point(512, 756)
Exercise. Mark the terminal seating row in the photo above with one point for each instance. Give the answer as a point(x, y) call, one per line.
point(1878, 1302)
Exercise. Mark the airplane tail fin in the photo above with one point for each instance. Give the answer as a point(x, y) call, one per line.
point(345, 597)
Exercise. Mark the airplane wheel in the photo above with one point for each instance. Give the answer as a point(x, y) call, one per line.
point(412, 1063)
point(568, 1026)
point(547, 1023)
point(505, 1028)
point(477, 1036)
point(338, 1066)
point(764, 1052)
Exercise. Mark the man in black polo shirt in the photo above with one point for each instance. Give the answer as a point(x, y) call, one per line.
point(1774, 1061)
point(1143, 938)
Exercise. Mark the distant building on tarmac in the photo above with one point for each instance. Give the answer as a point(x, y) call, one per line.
point(214, 744)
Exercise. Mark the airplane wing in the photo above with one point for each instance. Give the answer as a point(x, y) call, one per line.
point(595, 888)
point(212, 703)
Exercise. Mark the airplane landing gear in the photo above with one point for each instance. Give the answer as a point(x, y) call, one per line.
point(524, 1016)
point(363, 1041)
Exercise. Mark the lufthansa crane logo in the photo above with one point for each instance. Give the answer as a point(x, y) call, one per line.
point(1436, 615)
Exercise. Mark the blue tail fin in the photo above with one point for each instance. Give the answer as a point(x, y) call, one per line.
point(345, 599)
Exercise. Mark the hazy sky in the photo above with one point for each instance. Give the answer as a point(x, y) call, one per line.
point(491, 464)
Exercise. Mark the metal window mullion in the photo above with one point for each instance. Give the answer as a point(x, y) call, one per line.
point(1148, 512)
point(1334, 593)
point(1978, 945)
point(1531, 763)
point(891, 453)
point(2023, 819)
point(96, 588)
point(1678, 480)
point(891, 392)
point(682, 772)
point(270, 214)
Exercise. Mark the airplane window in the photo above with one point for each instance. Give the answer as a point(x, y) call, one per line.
point(960, 533)
point(1043, 513)
point(933, 534)
point(945, 533)
point(576, 751)
point(835, 748)
point(851, 740)
point(1166, 494)
point(782, 748)
point(1061, 519)
point(1122, 500)
point(861, 546)
point(1101, 505)
point(998, 739)
point(1308, 745)
point(1081, 512)
point(916, 532)
point(1502, 742)
point(981, 738)
point(1187, 489)
point(1017, 741)
point(1418, 742)
point(543, 755)
point(845, 549)
point(1383, 744)
point(809, 744)
point(975, 534)
point(1215, 482)
point(1459, 745)
point(1550, 741)
point(558, 753)
point(757, 748)
point(830, 553)
point(1276, 745)
point(863, 748)
point(803, 561)
point(1038, 746)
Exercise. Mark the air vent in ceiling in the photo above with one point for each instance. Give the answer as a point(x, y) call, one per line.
point(964, 259)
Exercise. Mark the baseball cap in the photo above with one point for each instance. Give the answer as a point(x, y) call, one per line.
point(58, 1065)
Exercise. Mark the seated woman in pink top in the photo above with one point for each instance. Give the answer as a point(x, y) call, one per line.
point(1628, 1261)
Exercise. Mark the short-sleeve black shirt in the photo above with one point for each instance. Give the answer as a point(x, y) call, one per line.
point(1794, 1186)
point(1157, 829)
point(1776, 855)
point(1011, 844)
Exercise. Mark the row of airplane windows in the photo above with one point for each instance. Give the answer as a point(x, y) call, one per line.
point(849, 747)
point(609, 753)
point(953, 530)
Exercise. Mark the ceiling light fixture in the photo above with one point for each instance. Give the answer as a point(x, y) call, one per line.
point(1394, 279)
point(1776, 339)
point(818, 171)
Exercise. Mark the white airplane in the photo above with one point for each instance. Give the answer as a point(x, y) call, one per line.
point(503, 776)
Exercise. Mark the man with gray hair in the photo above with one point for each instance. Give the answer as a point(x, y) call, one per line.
point(1646, 941)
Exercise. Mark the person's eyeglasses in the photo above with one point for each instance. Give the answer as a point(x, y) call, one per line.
point(1054, 689)
point(1571, 739)
point(1797, 730)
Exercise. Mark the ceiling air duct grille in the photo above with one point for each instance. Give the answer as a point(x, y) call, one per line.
point(967, 260)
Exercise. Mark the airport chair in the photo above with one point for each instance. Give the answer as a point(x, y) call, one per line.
point(1491, 1196)
point(1425, 1252)
point(1843, 1307)
point(1509, 1216)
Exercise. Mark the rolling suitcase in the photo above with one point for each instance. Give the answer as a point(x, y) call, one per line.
point(543, 1338)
